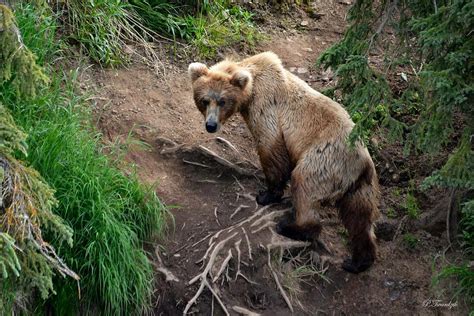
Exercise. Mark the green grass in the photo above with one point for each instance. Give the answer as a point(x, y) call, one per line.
point(111, 214)
point(208, 26)
point(410, 241)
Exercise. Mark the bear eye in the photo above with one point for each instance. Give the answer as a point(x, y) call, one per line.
point(205, 102)
point(221, 103)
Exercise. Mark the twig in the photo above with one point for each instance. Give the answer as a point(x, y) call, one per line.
point(240, 185)
point(225, 141)
point(215, 215)
point(244, 311)
point(201, 240)
point(248, 243)
point(277, 281)
point(399, 228)
point(386, 16)
point(196, 163)
point(238, 209)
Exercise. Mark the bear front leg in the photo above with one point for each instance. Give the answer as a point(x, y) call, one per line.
point(276, 167)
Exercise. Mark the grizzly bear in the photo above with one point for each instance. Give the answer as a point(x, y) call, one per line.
point(302, 136)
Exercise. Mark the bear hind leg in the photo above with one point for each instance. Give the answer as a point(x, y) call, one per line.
point(357, 211)
point(302, 225)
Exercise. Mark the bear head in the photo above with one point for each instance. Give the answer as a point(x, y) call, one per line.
point(219, 91)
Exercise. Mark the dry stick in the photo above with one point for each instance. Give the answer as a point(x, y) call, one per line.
point(238, 209)
point(238, 182)
point(225, 141)
point(212, 306)
point(207, 181)
point(248, 243)
point(215, 215)
point(223, 266)
point(282, 291)
point(196, 163)
point(201, 240)
point(244, 311)
point(399, 228)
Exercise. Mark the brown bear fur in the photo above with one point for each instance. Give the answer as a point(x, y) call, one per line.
point(301, 135)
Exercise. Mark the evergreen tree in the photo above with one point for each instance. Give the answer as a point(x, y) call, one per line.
point(434, 48)
point(27, 261)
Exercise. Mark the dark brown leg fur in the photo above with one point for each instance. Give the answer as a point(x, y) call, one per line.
point(277, 169)
point(358, 210)
point(302, 224)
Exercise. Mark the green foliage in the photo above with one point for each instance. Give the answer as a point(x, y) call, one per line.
point(211, 26)
point(102, 28)
point(18, 67)
point(410, 241)
point(27, 261)
point(411, 206)
point(110, 213)
point(465, 276)
point(391, 213)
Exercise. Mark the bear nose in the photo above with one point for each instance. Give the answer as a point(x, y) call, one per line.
point(211, 126)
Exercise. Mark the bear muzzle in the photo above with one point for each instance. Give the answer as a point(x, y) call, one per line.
point(212, 126)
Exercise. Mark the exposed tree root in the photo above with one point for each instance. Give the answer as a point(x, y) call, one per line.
point(223, 259)
point(169, 276)
point(173, 148)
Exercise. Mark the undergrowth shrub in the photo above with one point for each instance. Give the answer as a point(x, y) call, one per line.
point(110, 214)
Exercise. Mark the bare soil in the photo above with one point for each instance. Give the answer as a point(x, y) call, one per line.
point(202, 193)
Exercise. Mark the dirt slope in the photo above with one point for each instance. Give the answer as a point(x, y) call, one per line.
point(204, 196)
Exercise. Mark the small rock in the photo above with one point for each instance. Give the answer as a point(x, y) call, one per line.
point(302, 70)
point(292, 69)
point(304, 23)
point(177, 255)
point(308, 49)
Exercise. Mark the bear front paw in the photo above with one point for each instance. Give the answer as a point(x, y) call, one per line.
point(267, 197)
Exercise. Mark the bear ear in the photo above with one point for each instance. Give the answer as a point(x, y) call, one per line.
point(196, 70)
point(241, 79)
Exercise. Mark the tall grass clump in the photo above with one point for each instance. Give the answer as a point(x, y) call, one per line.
point(110, 214)
point(102, 28)
point(207, 25)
